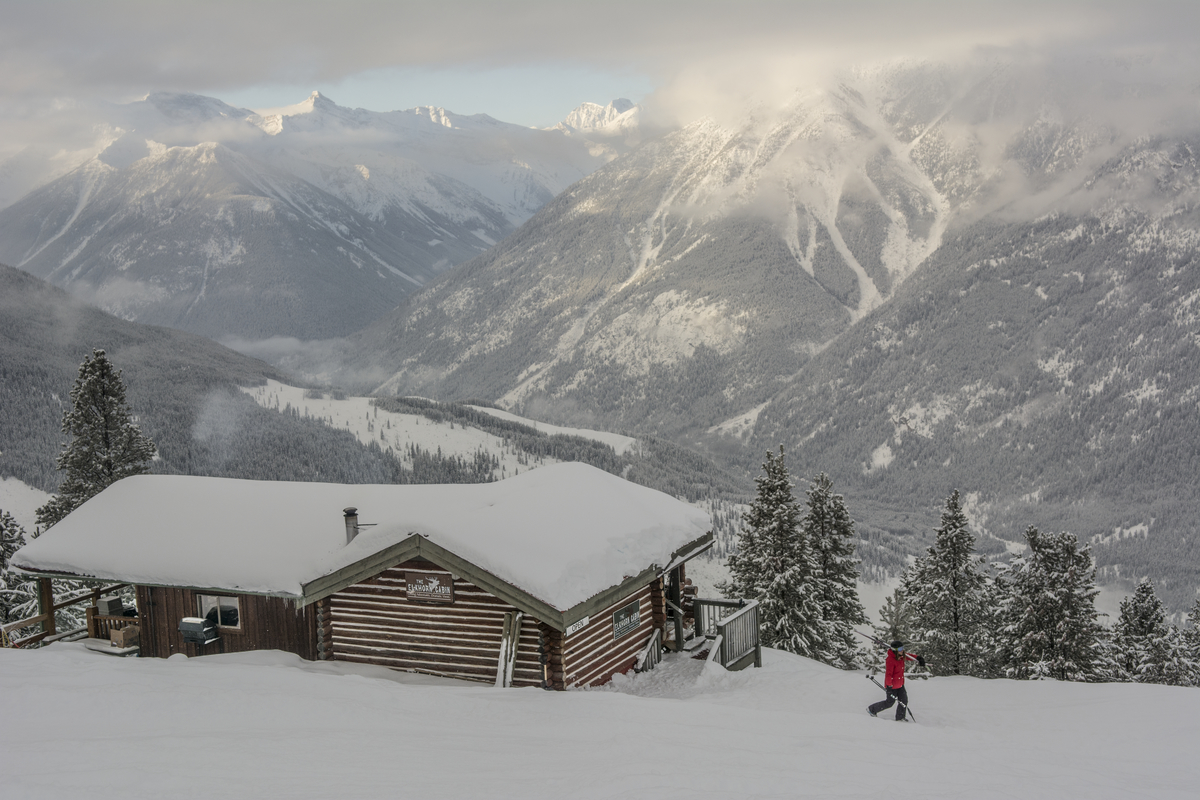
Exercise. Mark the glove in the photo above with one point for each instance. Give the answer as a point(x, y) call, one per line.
point(921, 660)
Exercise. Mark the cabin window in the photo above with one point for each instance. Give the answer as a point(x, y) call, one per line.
point(222, 610)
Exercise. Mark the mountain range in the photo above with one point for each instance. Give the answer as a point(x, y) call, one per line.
point(915, 277)
point(309, 221)
point(922, 277)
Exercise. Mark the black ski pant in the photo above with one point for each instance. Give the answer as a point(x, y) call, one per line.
point(893, 695)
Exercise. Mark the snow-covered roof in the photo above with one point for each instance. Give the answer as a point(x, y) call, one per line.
point(561, 533)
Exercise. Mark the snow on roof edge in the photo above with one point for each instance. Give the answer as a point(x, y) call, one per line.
point(561, 533)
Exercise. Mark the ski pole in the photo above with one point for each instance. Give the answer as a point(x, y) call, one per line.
point(907, 710)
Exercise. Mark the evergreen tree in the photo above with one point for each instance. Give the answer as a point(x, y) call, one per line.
point(1053, 628)
point(106, 444)
point(1148, 650)
point(16, 593)
point(945, 593)
point(1190, 643)
point(894, 623)
point(775, 565)
point(830, 532)
point(1143, 620)
point(12, 538)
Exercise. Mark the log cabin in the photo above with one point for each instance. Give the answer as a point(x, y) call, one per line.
point(560, 577)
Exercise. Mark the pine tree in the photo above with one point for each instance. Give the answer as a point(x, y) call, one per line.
point(775, 565)
point(1142, 621)
point(16, 593)
point(1149, 650)
point(106, 444)
point(894, 623)
point(830, 532)
point(945, 594)
point(1189, 641)
point(1053, 628)
point(12, 538)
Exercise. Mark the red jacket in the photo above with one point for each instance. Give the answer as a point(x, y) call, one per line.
point(894, 676)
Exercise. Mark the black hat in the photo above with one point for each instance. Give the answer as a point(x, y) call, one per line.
point(897, 645)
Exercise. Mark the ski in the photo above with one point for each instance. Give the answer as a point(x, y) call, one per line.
point(908, 657)
point(882, 643)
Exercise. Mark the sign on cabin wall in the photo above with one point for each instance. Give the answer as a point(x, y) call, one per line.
point(626, 619)
point(429, 587)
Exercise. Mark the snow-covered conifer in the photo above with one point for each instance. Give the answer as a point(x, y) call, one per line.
point(1148, 649)
point(106, 445)
point(1189, 639)
point(12, 538)
point(893, 624)
point(775, 565)
point(1142, 621)
point(16, 593)
point(829, 531)
point(1053, 628)
point(945, 594)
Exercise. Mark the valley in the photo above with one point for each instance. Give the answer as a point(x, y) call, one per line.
point(919, 277)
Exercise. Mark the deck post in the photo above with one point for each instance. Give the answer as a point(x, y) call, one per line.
point(45, 590)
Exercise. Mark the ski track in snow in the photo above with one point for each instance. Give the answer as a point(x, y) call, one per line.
point(268, 724)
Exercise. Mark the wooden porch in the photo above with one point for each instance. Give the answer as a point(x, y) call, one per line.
point(98, 626)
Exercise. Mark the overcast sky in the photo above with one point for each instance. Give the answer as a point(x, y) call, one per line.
point(523, 61)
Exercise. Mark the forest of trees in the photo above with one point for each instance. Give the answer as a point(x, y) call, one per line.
point(801, 568)
point(1032, 618)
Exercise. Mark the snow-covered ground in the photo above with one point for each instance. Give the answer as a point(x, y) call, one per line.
point(267, 725)
point(396, 431)
point(618, 442)
point(22, 501)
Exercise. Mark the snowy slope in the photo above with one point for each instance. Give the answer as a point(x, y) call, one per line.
point(271, 725)
point(22, 501)
point(920, 277)
point(395, 432)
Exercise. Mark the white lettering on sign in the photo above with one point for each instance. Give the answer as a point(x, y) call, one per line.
point(578, 626)
point(428, 586)
point(626, 619)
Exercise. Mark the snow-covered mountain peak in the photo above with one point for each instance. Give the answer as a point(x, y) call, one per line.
point(319, 102)
point(435, 114)
point(374, 202)
point(186, 107)
point(271, 120)
point(590, 117)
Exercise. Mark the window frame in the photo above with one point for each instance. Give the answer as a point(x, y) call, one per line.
point(237, 605)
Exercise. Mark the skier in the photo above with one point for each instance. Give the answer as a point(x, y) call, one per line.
point(893, 681)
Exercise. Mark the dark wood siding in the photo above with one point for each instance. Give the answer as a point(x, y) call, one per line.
point(267, 623)
point(591, 655)
point(375, 622)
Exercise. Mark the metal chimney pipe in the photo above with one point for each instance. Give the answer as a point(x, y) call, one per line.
point(351, 514)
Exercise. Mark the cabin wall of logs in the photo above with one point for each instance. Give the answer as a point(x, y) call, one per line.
point(263, 623)
point(455, 630)
point(420, 617)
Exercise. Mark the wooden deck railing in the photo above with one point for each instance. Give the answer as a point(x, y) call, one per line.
point(711, 611)
point(738, 634)
point(101, 626)
point(47, 607)
point(732, 627)
point(651, 654)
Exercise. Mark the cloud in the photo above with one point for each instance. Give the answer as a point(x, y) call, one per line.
point(124, 48)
